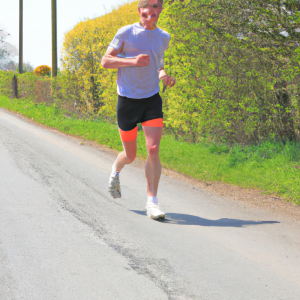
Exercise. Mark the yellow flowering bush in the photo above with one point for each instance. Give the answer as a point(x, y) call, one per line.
point(82, 52)
point(42, 70)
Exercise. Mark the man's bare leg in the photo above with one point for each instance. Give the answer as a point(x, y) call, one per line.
point(126, 157)
point(153, 167)
point(153, 171)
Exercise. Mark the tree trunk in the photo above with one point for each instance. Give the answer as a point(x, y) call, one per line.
point(285, 124)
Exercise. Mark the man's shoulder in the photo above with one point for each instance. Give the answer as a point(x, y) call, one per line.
point(125, 30)
point(164, 34)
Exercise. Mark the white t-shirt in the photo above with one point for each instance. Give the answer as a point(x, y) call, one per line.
point(140, 82)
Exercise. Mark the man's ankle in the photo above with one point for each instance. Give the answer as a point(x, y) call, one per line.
point(114, 169)
point(151, 200)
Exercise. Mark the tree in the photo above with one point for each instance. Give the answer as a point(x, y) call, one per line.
point(7, 52)
point(27, 67)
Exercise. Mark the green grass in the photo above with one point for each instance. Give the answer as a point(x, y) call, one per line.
point(270, 166)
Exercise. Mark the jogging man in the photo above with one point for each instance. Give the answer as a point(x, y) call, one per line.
point(137, 52)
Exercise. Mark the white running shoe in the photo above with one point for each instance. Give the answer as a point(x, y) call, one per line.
point(154, 212)
point(114, 185)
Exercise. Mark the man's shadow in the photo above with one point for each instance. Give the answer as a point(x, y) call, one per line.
point(183, 219)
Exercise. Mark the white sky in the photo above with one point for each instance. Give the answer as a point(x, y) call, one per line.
point(37, 23)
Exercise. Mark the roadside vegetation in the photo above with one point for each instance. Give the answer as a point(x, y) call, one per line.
point(234, 114)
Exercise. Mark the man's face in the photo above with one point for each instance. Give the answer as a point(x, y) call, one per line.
point(149, 11)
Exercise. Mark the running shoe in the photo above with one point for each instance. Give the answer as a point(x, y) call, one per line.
point(154, 212)
point(114, 185)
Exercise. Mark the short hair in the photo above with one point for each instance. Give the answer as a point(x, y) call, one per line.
point(143, 2)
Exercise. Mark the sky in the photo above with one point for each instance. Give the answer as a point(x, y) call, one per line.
point(37, 23)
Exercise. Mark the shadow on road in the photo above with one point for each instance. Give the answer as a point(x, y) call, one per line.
point(183, 219)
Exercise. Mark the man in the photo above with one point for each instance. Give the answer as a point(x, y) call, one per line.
point(137, 52)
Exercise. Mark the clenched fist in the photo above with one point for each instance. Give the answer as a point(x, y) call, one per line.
point(142, 60)
point(168, 80)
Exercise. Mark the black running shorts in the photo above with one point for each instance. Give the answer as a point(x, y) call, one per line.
point(130, 111)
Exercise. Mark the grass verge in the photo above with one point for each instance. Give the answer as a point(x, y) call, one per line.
point(271, 166)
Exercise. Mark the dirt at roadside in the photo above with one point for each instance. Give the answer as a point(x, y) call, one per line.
point(249, 197)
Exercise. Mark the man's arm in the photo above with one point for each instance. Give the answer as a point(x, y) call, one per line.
point(111, 61)
point(168, 80)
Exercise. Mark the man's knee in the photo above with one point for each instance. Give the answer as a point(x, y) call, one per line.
point(153, 151)
point(131, 156)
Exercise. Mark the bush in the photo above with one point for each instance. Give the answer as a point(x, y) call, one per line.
point(26, 84)
point(237, 75)
point(42, 70)
point(63, 91)
point(83, 49)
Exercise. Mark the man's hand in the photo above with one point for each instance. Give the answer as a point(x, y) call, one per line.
point(168, 80)
point(142, 60)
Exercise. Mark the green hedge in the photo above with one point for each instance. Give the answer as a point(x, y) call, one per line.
point(235, 90)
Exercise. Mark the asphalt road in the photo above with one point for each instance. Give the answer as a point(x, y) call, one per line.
point(63, 237)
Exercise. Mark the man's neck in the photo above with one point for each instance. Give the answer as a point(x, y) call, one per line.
point(153, 27)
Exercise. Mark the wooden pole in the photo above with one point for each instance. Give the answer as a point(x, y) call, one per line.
point(54, 38)
point(15, 87)
point(21, 38)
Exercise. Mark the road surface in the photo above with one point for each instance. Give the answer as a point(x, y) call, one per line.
point(63, 237)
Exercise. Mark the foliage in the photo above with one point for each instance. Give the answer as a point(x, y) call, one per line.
point(27, 67)
point(5, 83)
point(42, 70)
point(26, 84)
point(83, 49)
point(83, 87)
point(7, 52)
point(237, 71)
point(62, 90)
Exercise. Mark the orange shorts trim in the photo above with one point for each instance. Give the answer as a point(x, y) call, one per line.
point(154, 123)
point(130, 135)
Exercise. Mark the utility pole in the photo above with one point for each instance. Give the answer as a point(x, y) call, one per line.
point(54, 38)
point(21, 38)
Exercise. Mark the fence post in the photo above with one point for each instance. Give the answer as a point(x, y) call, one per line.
point(15, 87)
